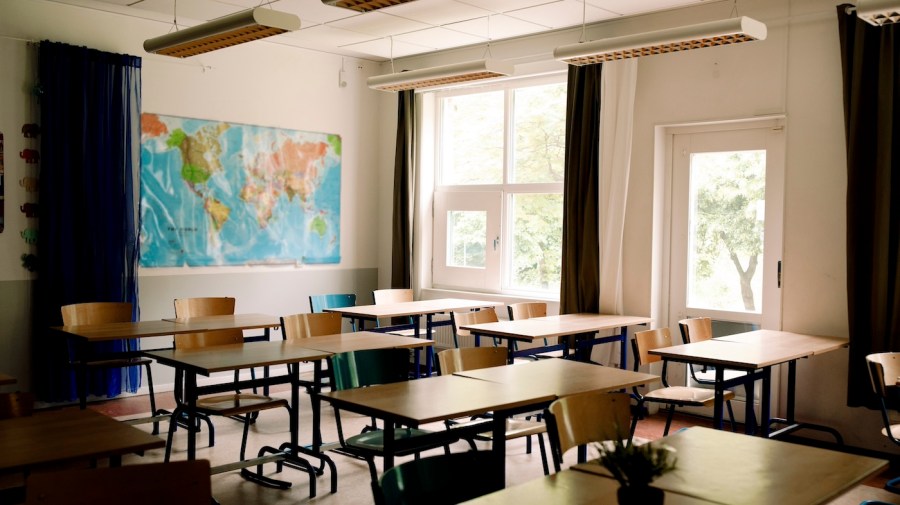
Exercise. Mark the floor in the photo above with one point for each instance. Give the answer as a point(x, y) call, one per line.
point(353, 477)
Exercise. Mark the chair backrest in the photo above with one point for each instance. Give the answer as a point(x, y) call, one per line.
point(436, 479)
point(526, 310)
point(96, 313)
point(695, 329)
point(383, 296)
point(310, 325)
point(318, 303)
point(198, 307)
point(584, 418)
point(487, 315)
point(16, 404)
point(368, 367)
point(884, 371)
point(470, 358)
point(185, 482)
point(646, 341)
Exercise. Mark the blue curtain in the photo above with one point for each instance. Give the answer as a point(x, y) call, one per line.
point(89, 194)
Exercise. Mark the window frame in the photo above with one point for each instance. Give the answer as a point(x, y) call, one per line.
point(443, 277)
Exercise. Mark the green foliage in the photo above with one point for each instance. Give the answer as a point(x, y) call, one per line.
point(636, 465)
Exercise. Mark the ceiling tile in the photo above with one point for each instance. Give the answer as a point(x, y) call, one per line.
point(562, 14)
point(384, 48)
point(328, 36)
point(499, 26)
point(379, 24)
point(631, 7)
point(439, 38)
point(436, 12)
point(312, 10)
point(505, 5)
point(195, 10)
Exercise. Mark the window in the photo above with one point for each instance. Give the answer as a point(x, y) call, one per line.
point(498, 187)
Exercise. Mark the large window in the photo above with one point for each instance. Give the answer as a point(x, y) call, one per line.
point(498, 187)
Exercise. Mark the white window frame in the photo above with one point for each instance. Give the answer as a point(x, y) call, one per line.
point(495, 198)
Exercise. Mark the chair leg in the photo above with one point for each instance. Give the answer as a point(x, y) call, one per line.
point(153, 410)
point(634, 419)
point(372, 470)
point(669, 419)
point(173, 425)
point(543, 454)
point(528, 444)
point(731, 416)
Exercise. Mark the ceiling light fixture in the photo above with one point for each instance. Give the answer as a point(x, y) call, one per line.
point(715, 33)
point(878, 12)
point(364, 5)
point(441, 76)
point(244, 26)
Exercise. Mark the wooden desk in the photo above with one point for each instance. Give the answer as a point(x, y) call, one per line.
point(433, 399)
point(208, 360)
point(725, 467)
point(6, 380)
point(529, 330)
point(414, 310)
point(756, 352)
point(86, 334)
point(68, 435)
point(561, 377)
point(569, 487)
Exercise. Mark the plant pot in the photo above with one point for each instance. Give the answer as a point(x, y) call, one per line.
point(640, 495)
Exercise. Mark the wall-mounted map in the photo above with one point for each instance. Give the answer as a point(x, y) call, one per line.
point(217, 193)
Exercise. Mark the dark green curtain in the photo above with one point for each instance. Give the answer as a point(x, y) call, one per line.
point(580, 287)
point(404, 162)
point(89, 193)
point(869, 57)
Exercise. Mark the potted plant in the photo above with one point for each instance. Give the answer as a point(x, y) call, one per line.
point(635, 467)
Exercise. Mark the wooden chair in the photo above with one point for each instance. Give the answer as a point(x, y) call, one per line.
point(680, 396)
point(527, 310)
point(18, 404)
point(235, 404)
point(111, 312)
point(451, 361)
point(436, 480)
point(318, 303)
point(699, 329)
point(488, 315)
point(388, 296)
point(884, 372)
point(577, 420)
point(299, 326)
point(367, 368)
point(182, 482)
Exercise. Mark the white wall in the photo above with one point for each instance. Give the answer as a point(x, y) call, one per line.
point(260, 83)
point(796, 73)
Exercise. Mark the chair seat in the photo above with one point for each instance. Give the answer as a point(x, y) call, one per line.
point(373, 441)
point(683, 395)
point(237, 404)
point(515, 428)
point(709, 376)
point(410, 332)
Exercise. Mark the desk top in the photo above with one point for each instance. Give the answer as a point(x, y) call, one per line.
point(416, 308)
point(363, 340)
point(562, 377)
point(207, 360)
point(737, 469)
point(570, 487)
point(433, 399)
point(67, 435)
point(6, 379)
point(140, 329)
point(752, 350)
point(554, 326)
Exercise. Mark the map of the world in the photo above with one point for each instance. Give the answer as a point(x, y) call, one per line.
point(218, 193)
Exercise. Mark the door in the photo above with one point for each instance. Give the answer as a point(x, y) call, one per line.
point(726, 229)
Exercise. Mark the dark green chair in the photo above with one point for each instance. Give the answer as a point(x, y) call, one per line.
point(436, 480)
point(357, 369)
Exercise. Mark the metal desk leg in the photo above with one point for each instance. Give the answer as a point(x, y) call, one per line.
point(719, 398)
point(190, 395)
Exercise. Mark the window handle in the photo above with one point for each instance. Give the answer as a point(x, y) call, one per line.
point(496, 242)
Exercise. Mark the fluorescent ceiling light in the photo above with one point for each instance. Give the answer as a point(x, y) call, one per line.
point(364, 5)
point(245, 26)
point(715, 33)
point(878, 12)
point(440, 76)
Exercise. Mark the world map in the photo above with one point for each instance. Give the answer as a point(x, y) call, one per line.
point(217, 193)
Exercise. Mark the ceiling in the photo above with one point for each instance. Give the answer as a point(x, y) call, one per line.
point(417, 27)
